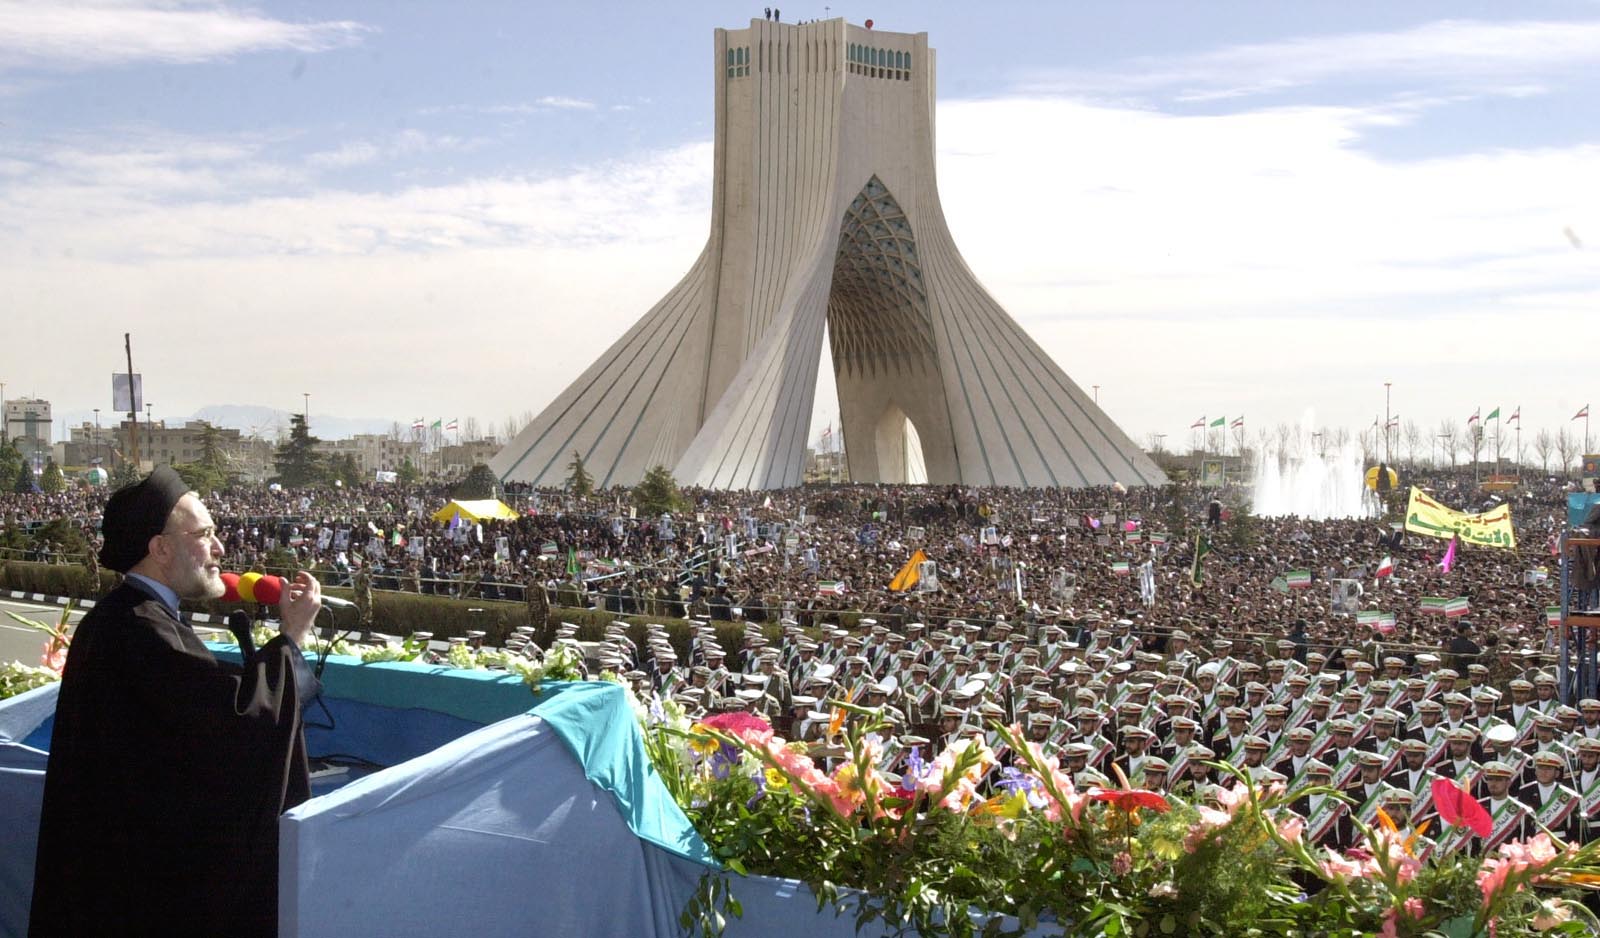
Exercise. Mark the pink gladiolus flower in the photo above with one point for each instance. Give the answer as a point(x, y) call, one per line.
point(961, 795)
point(1291, 827)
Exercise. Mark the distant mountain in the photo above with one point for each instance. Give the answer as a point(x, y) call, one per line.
point(266, 421)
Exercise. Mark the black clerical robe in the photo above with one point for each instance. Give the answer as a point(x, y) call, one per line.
point(168, 770)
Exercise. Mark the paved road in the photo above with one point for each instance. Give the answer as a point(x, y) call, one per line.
point(19, 643)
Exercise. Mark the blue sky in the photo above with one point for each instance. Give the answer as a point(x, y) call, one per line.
point(449, 209)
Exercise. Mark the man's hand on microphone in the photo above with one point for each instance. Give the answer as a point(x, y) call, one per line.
point(298, 607)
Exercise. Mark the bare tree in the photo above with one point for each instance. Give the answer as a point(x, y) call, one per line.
point(1447, 437)
point(1543, 445)
point(1471, 441)
point(1567, 446)
point(469, 429)
point(1412, 433)
point(396, 432)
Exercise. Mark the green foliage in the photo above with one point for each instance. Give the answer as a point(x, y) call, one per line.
point(297, 460)
point(658, 493)
point(51, 480)
point(201, 477)
point(579, 482)
point(60, 536)
point(23, 482)
point(478, 483)
point(394, 613)
point(407, 474)
point(342, 469)
point(10, 463)
point(126, 473)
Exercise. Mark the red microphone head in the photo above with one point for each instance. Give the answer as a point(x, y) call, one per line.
point(269, 589)
point(230, 587)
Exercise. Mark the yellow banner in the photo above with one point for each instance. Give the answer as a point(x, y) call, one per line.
point(1490, 529)
point(909, 574)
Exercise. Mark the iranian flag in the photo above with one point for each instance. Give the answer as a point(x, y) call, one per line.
point(1552, 615)
point(830, 587)
point(1158, 539)
point(1369, 619)
point(548, 549)
point(1132, 537)
point(1433, 604)
point(1120, 568)
point(1298, 579)
point(1385, 567)
point(1457, 607)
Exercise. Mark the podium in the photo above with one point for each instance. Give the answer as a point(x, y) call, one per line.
point(487, 810)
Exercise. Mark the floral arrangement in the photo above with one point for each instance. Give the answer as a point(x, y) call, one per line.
point(991, 836)
point(17, 677)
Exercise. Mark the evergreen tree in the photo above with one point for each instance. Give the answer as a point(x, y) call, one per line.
point(51, 480)
point(24, 483)
point(126, 473)
point(200, 477)
point(579, 482)
point(297, 460)
point(478, 483)
point(658, 493)
point(407, 474)
point(10, 464)
point(344, 469)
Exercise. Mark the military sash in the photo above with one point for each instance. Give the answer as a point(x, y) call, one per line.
point(1525, 726)
point(1368, 812)
point(1590, 799)
point(1323, 818)
point(1555, 813)
point(1179, 765)
point(1505, 819)
point(1347, 767)
point(1436, 748)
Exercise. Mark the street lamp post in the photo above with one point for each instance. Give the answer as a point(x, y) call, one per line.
point(97, 453)
point(1096, 394)
point(150, 433)
point(305, 413)
point(1386, 421)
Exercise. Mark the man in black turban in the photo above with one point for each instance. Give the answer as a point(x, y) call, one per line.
point(168, 768)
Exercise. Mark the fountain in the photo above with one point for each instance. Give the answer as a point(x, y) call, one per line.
point(1318, 486)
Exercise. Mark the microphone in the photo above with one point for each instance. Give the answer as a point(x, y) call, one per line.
point(267, 589)
point(239, 625)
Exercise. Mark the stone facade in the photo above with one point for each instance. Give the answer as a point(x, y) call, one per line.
point(825, 212)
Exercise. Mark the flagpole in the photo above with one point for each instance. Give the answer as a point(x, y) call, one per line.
point(1497, 441)
point(1518, 453)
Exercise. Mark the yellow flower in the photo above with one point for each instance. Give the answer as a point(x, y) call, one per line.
point(776, 780)
point(701, 740)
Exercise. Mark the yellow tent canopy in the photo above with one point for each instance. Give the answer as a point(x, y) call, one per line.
point(486, 509)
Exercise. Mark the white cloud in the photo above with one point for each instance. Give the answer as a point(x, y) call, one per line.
point(544, 103)
point(87, 33)
point(566, 104)
point(1254, 263)
point(1507, 58)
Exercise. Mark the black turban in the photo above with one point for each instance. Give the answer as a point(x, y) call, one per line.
point(136, 513)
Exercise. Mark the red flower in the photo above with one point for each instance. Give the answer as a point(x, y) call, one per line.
point(1131, 799)
point(1460, 809)
point(746, 726)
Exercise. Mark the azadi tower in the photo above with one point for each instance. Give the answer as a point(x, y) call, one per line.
point(825, 212)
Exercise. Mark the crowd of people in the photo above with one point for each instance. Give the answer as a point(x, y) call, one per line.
point(1081, 615)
